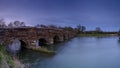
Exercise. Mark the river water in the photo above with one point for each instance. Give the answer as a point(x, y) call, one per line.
point(80, 52)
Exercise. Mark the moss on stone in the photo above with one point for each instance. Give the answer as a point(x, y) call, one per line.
point(43, 50)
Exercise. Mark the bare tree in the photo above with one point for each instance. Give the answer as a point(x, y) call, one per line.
point(22, 24)
point(83, 28)
point(16, 23)
point(80, 28)
point(10, 25)
point(2, 23)
point(119, 32)
point(52, 26)
point(38, 26)
point(98, 29)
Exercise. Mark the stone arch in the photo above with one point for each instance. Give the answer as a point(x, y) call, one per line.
point(56, 39)
point(16, 46)
point(64, 37)
point(23, 43)
point(68, 36)
point(42, 42)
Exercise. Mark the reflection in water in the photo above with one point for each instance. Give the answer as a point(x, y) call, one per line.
point(119, 39)
point(80, 52)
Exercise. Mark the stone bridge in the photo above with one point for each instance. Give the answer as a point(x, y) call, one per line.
point(33, 37)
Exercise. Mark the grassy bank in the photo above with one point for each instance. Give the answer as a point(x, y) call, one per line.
point(6, 61)
point(5, 58)
point(0, 60)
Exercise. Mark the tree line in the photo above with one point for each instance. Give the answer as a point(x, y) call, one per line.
point(11, 24)
point(16, 24)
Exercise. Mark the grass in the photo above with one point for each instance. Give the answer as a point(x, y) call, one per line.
point(1, 57)
point(10, 61)
point(0, 60)
point(5, 55)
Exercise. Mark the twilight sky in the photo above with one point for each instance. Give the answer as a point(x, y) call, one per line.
point(90, 13)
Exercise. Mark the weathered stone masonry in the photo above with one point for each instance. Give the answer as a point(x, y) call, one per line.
point(31, 36)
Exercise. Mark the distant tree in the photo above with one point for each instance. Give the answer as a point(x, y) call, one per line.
point(119, 32)
point(52, 26)
point(80, 28)
point(41, 26)
point(68, 28)
point(22, 24)
point(98, 29)
point(2, 23)
point(10, 25)
point(16, 23)
point(37, 25)
point(59, 27)
point(83, 28)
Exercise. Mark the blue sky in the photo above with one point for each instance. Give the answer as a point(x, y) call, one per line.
point(90, 13)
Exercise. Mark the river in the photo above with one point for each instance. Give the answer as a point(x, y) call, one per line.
point(79, 52)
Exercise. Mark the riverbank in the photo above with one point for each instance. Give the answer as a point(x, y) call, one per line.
point(6, 61)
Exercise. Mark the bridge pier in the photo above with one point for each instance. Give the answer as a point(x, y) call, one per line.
point(65, 37)
point(50, 41)
point(61, 39)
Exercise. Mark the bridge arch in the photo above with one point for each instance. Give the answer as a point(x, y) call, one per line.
point(42, 42)
point(16, 45)
point(23, 43)
point(56, 39)
point(64, 37)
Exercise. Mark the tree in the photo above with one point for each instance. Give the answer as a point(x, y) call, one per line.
point(2, 23)
point(43, 26)
point(98, 29)
point(16, 23)
point(119, 32)
point(83, 28)
point(80, 28)
point(22, 24)
point(52, 26)
point(10, 25)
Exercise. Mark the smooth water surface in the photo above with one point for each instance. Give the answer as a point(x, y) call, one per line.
point(80, 52)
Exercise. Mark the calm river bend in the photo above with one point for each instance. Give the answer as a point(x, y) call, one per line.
point(80, 52)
